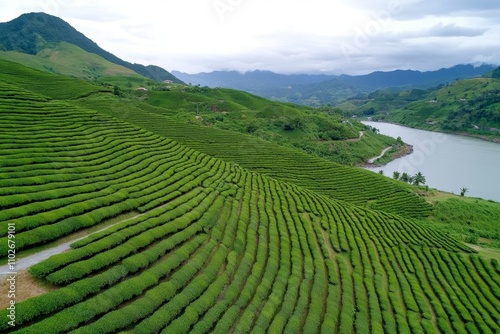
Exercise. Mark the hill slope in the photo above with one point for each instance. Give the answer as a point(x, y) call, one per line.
point(362, 187)
point(29, 34)
point(57, 87)
point(323, 132)
point(340, 182)
point(216, 248)
point(69, 60)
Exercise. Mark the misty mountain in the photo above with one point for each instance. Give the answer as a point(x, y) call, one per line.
point(249, 81)
point(29, 33)
point(323, 89)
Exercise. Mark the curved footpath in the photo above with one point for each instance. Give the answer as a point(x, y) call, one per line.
point(372, 160)
point(28, 261)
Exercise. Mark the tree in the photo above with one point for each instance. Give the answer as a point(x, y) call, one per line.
point(405, 177)
point(252, 127)
point(381, 172)
point(418, 179)
point(117, 91)
point(396, 175)
point(463, 191)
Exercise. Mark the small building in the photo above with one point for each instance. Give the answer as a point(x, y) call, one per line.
point(142, 89)
point(168, 81)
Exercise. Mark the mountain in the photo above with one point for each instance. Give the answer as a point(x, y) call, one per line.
point(318, 90)
point(33, 32)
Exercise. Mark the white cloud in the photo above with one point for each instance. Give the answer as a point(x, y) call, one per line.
point(343, 36)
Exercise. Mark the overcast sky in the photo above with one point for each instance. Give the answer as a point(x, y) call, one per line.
point(284, 36)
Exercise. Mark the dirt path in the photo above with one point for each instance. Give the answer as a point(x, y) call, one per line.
point(28, 261)
point(361, 134)
point(372, 160)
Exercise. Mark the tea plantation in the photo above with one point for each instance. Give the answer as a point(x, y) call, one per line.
point(214, 247)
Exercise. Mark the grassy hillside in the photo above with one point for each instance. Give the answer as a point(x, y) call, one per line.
point(472, 220)
point(323, 132)
point(68, 59)
point(212, 247)
point(337, 181)
point(358, 186)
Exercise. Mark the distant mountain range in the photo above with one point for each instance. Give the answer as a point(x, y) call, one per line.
point(317, 90)
point(35, 32)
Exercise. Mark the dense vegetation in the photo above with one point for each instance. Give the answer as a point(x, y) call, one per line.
point(475, 222)
point(214, 247)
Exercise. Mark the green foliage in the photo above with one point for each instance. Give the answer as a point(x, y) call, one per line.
point(281, 162)
point(418, 179)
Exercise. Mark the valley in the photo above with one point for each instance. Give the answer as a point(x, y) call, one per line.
point(132, 202)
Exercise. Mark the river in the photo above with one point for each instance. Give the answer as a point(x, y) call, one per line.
point(448, 162)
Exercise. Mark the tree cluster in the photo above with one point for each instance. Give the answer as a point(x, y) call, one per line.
point(416, 179)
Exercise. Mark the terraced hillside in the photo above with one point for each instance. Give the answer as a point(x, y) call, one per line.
point(213, 248)
point(340, 182)
point(357, 186)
